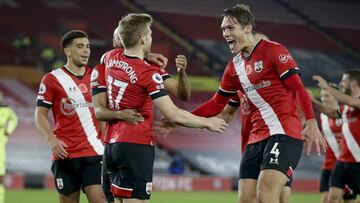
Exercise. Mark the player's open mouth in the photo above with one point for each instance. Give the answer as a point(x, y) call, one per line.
point(231, 43)
point(84, 57)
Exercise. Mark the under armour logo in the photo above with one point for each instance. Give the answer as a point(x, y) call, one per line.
point(274, 161)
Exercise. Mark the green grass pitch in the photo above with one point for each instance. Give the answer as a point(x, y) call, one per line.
point(50, 196)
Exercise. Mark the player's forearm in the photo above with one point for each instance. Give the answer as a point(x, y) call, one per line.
point(327, 110)
point(344, 98)
point(184, 86)
point(104, 114)
point(295, 84)
point(43, 125)
point(13, 121)
point(187, 119)
point(228, 113)
point(212, 107)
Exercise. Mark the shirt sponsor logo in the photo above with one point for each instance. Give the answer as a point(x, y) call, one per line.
point(260, 85)
point(284, 58)
point(258, 67)
point(125, 67)
point(68, 106)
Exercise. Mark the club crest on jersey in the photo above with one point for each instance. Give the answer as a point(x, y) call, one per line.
point(42, 88)
point(157, 78)
point(258, 66)
point(148, 188)
point(83, 88)
point(59, 183)
point(94, 75)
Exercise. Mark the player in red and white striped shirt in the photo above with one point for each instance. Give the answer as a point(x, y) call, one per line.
point(347, 169)
point(332, 130)
point(267, 74)
point(74, 142)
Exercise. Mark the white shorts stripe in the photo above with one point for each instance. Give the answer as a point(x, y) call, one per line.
point(267, 113)
point(329, 135)
point(349, 137)
point(84, 114)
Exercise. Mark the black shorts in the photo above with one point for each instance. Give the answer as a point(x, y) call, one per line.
point(106, 183)
point(325, 180)
point(130, 167)
point(72, 174)
point(278, 152)
point(346, 174)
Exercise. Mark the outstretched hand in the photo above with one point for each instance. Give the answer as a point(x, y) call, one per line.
point(322, 83)
point(216, 124)
point(313, 135)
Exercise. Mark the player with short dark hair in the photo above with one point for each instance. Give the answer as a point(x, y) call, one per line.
point(74, 142)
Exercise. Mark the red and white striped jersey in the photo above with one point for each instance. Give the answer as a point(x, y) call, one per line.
point(260, 77)
point(350, 152)
point(131, 83)
point(70, 100)
point(331, 128)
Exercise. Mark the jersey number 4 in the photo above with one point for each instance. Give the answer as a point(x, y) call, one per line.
point(120, 87)
point(275, 150)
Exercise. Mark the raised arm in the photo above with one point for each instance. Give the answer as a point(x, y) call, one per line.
point(339, 96)
point(180, 88)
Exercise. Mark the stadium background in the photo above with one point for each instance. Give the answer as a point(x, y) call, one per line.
point(322, 35)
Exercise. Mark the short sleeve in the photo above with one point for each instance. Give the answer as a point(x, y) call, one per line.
point(154, 83)
point(234, 101)
point(98, 82)
point(227, 84)
point(46, 92)
point(283, 62)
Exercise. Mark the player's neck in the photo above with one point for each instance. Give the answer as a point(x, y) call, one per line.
point(135, 52)
point(252, 41)
point(74, 69)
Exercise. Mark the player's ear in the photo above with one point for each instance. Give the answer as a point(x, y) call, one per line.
point(248, 29)
point(67, 51)
point(142, 39)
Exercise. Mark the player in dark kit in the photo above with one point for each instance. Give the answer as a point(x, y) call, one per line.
point(75, 144)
